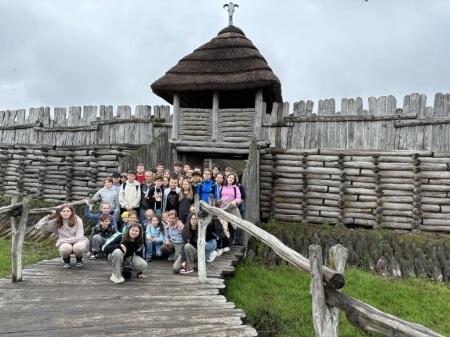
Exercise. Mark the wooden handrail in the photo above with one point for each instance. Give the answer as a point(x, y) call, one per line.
point(331, 277)
point(357, 312)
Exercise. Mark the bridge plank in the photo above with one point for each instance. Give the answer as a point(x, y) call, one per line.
point(52, 301)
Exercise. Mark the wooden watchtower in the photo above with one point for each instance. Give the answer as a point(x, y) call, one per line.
point(219, 94)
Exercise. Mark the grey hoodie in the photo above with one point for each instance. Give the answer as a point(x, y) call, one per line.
point(109, 195)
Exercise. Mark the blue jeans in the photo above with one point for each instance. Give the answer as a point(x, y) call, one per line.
point(210, 246)
point(153, 248)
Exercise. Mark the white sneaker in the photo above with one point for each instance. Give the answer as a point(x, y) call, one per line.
point(226, 249)
point(212, 256)
point(220, 252)
point(117, 280)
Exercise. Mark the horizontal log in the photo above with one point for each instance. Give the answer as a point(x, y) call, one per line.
point(445, 229)
point(397, 219)
point(436, 222)
point(396, 225)
point(331, 277)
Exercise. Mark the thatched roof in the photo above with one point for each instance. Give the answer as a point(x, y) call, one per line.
point(230, 61)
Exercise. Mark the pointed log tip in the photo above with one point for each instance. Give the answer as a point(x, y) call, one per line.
point(337, 281)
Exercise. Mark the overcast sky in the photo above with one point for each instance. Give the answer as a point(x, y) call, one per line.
point(61, 53)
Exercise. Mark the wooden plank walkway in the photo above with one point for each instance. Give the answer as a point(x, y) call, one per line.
point(53, 301)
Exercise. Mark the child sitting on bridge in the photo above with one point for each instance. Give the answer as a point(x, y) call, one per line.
point(173, 240)
point(69, 229)
point(125, 252)
point(154, 235)
point(100, 234)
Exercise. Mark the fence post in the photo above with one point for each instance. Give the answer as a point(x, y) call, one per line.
point(18, 235)
point(203, 219)
point(324, 325)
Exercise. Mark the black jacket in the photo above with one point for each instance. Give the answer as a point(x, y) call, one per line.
point(132, 247)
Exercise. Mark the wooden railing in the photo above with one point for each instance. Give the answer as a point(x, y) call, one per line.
point(327, 300)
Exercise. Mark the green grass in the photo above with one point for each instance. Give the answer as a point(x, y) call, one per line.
point(277, 300)
point(32, 252)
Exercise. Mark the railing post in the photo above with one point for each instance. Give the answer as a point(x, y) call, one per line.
point(18, 235)
point(203, 221)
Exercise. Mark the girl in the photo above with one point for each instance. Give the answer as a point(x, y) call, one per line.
point(215, 172)
point(126, 251)
point(167, 173)
point(165, 183)
point(219, 180)
point(229, 194)
point(155, 237)
point(69, 229)
point(185, 263)
point(180, 181)
point(186, 199)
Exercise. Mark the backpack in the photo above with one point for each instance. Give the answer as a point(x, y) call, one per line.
point(110, 239)
point(125, 184)
point(217, 228)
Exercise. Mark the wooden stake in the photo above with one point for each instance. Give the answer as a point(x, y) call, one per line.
point(18, 234)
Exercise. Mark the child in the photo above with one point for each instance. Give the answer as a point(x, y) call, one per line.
point(165, 183)
point(186, 168)
point(219, 180)
point(196, 180)
point(145, 186)
point(154, 237)
point(110, 195)
point(173, 240)
point(116, 181)
point(126, 250)
point(155, 196)
point(185, 200)
point(100, 233)
point(180, 180)
point(124, 221)
point(69, 229)
point(140, 176)
point(159, 169)
point(185, 262)
point(167, 174)
point(105, 208)
point(132, 220)
point(230, 194)
point(170, 200)
point(215, 172)
point(207, 187)
point(176, 168)
point(130, 193)
point(165, 220)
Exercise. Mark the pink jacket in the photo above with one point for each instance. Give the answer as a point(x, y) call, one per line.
point(230, 193)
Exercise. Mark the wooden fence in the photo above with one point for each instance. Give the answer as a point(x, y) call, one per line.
point(378, 189)
point(325, 282)
point(379, 126)
point(90, 125)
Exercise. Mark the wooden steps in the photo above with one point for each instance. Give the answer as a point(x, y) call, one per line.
point(53, 301)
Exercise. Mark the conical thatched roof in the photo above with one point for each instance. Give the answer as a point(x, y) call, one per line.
point(228, 62)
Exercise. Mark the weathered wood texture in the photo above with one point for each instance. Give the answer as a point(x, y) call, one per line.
point(52, 301)
point(90, 125)
point(407, 190)
point(380, 126)
point(75, 172)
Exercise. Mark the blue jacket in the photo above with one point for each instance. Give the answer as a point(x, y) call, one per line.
point(95, 216)
point(207, 187)
point(154, 232)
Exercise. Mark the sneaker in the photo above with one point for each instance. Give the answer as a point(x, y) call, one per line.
point(80, 262)
point(219, 252)
point(117, 280)
point(211, 257)
point(148, 259)
point(186, 271)
point(67, 263)
point(93, 257)
point(226, 249)
point(171, 258)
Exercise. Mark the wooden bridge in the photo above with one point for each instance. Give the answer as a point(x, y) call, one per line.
point(51, 301)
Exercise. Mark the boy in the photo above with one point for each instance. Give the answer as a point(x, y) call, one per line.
point(173, 240)
point(110, 195)
point(140, 176)
point(104, 209)
point(100, 233)
point(207, 187)
point(198, 169)
point(176, 168)
point(159, 169)
point(130, 193)
point(116, 181)
point(196, 180)
point(186, 168)
point(165, 220)
point(145, 195)
point(155, 195)
point(170, 201)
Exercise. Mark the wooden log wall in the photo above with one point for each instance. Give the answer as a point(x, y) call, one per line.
point(380, 125)
point(59, 173)
point(236, 125)
point(407, 190)
point(195, 124)
point(88, 125)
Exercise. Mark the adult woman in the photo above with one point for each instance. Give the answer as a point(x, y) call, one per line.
point(69, 229)
point(126, 250)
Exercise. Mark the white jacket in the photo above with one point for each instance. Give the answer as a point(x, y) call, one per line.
point(130, 196)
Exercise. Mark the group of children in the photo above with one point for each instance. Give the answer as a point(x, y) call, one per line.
point(147, 214)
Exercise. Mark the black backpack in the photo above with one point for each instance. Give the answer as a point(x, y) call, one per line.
point(217, 228)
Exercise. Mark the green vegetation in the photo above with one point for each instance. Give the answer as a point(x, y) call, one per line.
point(32, 252)
point(277, 300)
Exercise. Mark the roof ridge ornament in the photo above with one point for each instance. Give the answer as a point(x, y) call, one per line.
point(231, 7)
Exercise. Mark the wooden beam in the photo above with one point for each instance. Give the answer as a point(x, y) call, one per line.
point(422, 122)
point(331, 277)
point(215, 116)
point(18, 235)
point(259, 103)
point(176, 115)
point(204, 220)
point(347, 118)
